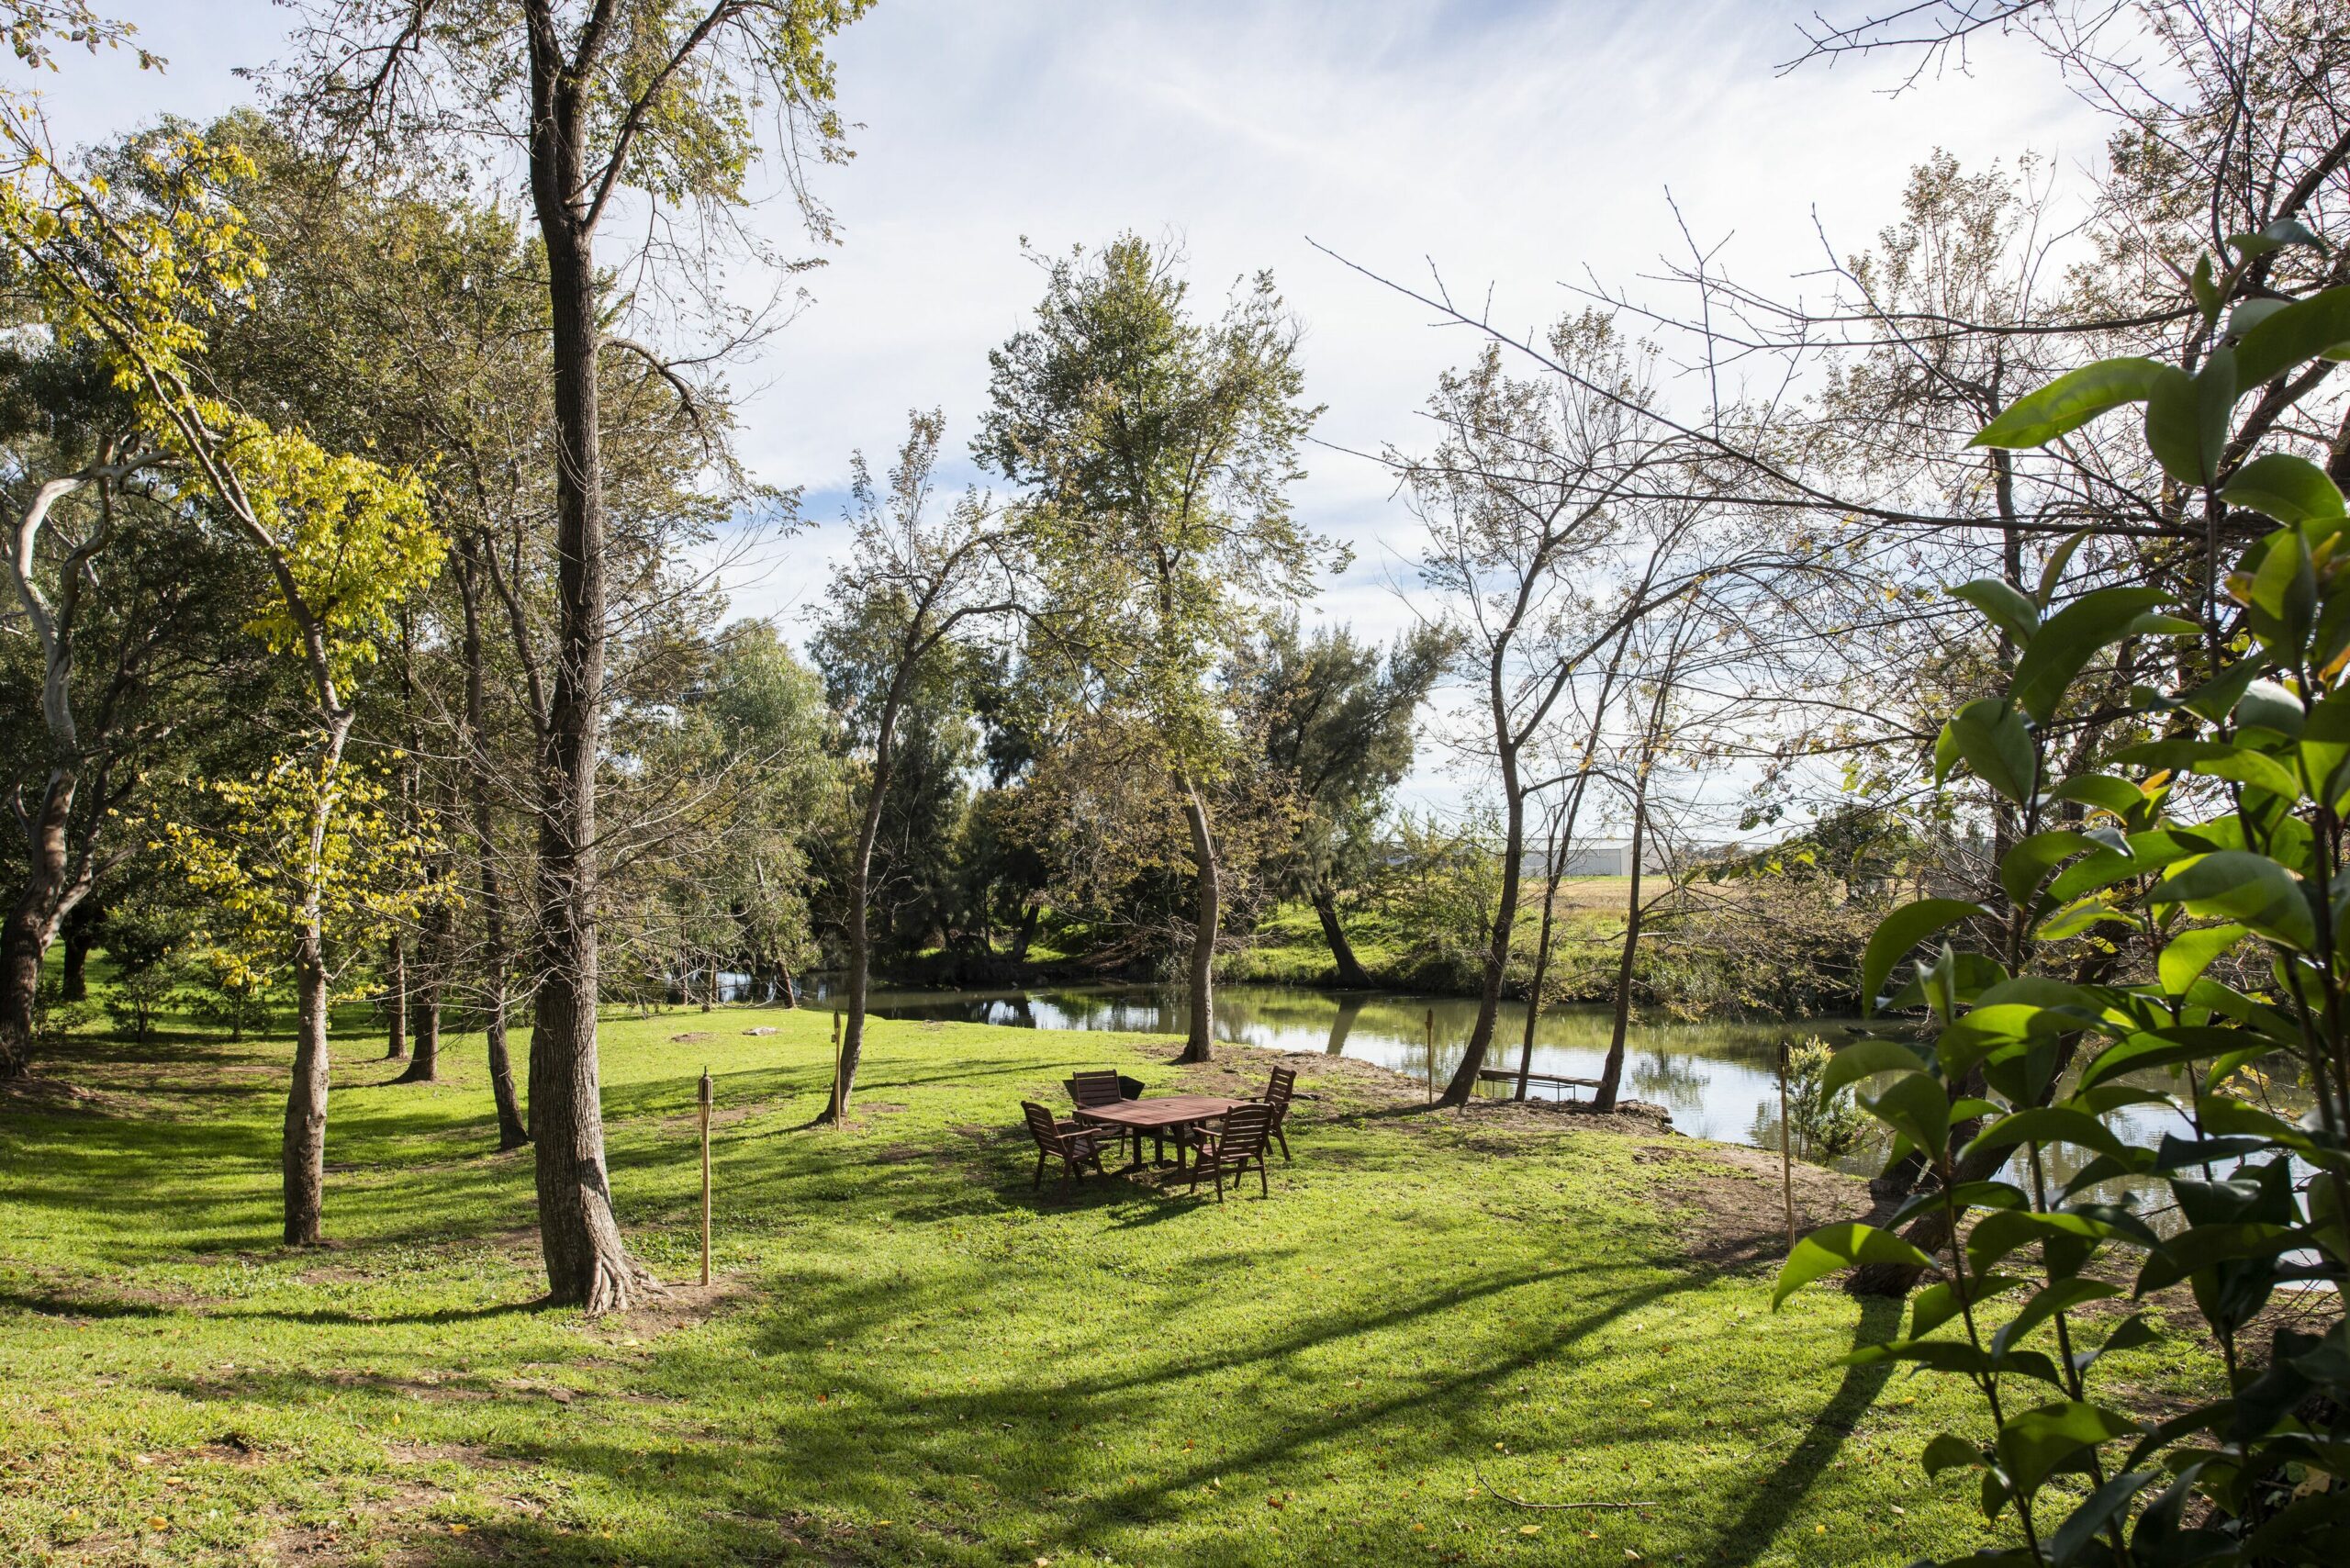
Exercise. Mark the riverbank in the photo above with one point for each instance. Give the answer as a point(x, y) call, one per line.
point(907, 1355)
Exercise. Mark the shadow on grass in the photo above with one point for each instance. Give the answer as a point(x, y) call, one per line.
point(1752, 1533)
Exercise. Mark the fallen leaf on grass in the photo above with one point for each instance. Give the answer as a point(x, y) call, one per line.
point(1530, 1530)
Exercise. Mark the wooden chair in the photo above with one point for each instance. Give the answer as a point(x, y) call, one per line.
point(1103, 1088)
point(1077, 1146)
point(1234, 1147)
point(1276, 1095)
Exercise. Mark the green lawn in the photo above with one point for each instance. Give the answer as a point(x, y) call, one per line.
point(909, 1357)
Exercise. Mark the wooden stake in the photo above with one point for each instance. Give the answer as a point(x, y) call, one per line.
point(1431, 1056)
point(1787, 1151)
point(705, 1175)
point(835, 1094)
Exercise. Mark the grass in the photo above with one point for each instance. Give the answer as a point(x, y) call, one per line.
point(1287, 948)
point(908, 1358)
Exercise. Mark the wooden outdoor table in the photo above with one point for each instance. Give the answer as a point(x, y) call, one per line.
point(1159, 1114)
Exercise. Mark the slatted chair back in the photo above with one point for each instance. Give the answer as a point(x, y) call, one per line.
point(1041, 1125)
point(1246, 1128)
point(1094, 1088)
point(1276, 1098)
point(1077, 1148)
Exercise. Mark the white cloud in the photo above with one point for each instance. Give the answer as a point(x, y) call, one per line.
point(1515, 146)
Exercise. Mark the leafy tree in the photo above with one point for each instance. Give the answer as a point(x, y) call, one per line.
point(606, 102)
point(914, 581)
point(1339, 724)
point(1157, 450)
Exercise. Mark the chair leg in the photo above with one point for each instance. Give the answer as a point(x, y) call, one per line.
point(1039, 1182)
point(1282, 1138)
point(1264, 1187)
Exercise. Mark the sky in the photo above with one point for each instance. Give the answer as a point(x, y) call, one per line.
point(1517, 148)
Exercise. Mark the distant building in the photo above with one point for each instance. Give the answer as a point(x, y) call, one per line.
point(1594, 857)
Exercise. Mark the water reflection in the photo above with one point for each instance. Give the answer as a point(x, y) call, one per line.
point(1710, 1075)
point(1720, 1080)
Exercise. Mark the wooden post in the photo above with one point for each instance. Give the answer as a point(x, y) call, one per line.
point(705, 1175)
point(1431, 1056)
point(1787, 1151)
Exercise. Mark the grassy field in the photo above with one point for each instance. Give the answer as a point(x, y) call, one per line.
point(908, 1357)
point(1287, 946)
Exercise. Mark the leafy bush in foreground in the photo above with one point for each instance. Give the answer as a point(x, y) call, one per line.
point(2221, 842)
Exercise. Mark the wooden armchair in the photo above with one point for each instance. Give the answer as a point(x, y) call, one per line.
point(1234, 1147)
point(1075, 1145)
point(1276, 1095)
point(1103, 1088)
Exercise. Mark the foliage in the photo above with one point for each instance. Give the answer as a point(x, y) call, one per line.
point(303, 843)
point(1826, 1122)
point(2219, 839)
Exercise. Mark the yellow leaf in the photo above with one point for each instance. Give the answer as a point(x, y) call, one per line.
point(1530, 1530)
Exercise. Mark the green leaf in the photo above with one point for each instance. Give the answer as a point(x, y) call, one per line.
point(2069, 402)
point(2079, 1528)
point(2026, 864)
point(2190, 953)
point(1917, 1107)
point(1990, 735)
point(1866, 1059)
point(2004, 604)
point(2251, 314)
point(2051, 1124)
point(2117, 796)
point(2206, 292)
point(1899, 932)
point(2034, 1444)
point(2283, 595)
point(2215, 759)
point(2187, 418)
point(2290, 490)
point(2283, 339)
point(2235, 884)
point(2274, 237)
point(2052, 571)
point(1937, 1304)
point(1948, 1452)
point(2074, 918)
point(1841, 1246)
point(2067, 639)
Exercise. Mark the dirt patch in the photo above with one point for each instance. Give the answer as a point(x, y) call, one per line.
point(679, 1307)
point(1733, 1210)
point(55, 1097)
point(690, 1036)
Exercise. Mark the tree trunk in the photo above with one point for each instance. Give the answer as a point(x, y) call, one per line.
point(396, 999)
point(81, 935)
point(432, 957)
point(491, 891)
point(32, 921)
point(1198, 1043)
point(305, 1152)
point(1463, 1082)
point(1542, 963)
point(860, 934)
point(1611, 1076)
point(587, 1262)
point(1342, 952)
point(1030, 913)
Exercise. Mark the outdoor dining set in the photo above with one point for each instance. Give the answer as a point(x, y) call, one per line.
point(1213, 1136)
